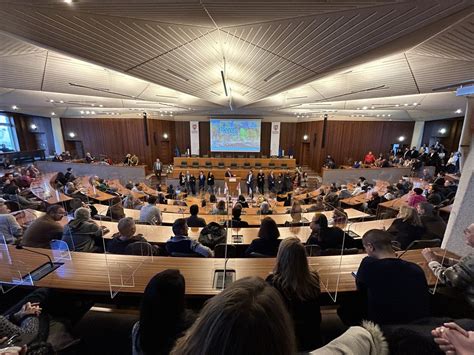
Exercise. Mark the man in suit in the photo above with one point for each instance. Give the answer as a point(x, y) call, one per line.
point(202, 181)
point(228, 173)
point(187, 181)
point(261, 181)
point(157, 168)
point(249, 181)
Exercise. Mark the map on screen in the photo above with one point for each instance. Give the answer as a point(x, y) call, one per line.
point(235, 135)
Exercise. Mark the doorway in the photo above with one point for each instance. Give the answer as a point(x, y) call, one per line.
point(305, 156)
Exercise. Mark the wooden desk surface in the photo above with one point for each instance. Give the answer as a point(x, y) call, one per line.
point(93, 193)
point(89, 272)
point(360, 228)
point(395, 204)
point(42, 188)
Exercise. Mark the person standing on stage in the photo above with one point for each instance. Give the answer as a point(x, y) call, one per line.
point(271, 182)
point(250, 181)
point(261, 181)
point(228, 173)
point(157, 168)
point(202, 181)
point(210, 182)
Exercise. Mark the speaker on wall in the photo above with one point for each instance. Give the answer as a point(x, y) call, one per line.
point(325, 123)
point(145, 128)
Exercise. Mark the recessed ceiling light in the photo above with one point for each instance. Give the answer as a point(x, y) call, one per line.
point(53, 114)
point(458, 110)
point(415, 103)
point(378, 115)
point(443, 130)
point(372, 107)
point(389, 115)
point(93, 112)
point(88, 112)
point(101, 105)
point(358, 108)
point(51, 100)
point(397, 105)
point(82, 112)
point(61, 101)
point(383, 115)
point(364, 108)
point(68, 1)
point(15, 107)
point(405, 104)
point(401, 138)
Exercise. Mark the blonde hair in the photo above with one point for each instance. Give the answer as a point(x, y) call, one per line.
point(409, 214)
point(292, 275)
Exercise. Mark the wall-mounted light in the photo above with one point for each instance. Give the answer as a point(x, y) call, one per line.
point(33, 127)
point(443, 130)
point(401, 138)
point(72, 134)
point(14, 107)
point(165, 135)
point(305, 137)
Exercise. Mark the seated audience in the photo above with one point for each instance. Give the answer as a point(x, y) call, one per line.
point(83, 234)
point(329, 163)
point(150, 213)
point(131, 202)
point(126, 236)
point(332, 198)
point(236, 221)
point(138, 189)
point(89, 158)
point(453, 272)
point(60, 180)
point(264, 209)
point(220, 208)
point(328, 237)
point(318, 205)
point(296, 212)
point(431, 221)
point(267, 242)
point(395, 290)
point(194, 220)
point(248, 317)
point(369, 158)
point(344, 192)
point(300, 290)
point(69, 175)
point(115, 210)
point(181, 243)
point(163, 316)
point(9, 226)
point(44, 229)
point(374, 201)
point(242, 201)
point(406, 227)
point(436, 196)
point(416, 197)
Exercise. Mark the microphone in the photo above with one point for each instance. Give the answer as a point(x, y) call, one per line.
point(44, 269)
point(21, 247)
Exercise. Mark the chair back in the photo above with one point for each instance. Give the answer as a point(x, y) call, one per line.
point(421, 244)
point(335, 251)
point(140, 248)
point(313, 250)
point(258, 255)
point(219, 251)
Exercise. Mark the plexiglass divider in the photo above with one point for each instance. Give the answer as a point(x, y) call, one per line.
point(13, 272)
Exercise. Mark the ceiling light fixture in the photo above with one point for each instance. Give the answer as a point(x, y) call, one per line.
point(405, 104)
point(61, 101)
point(33, 126)
point(53, 114)
point(82, 112)
point(14, 107)
point(458, 111)
point(364, 108)
point(401, 138)
point(72, 134)
point(415, 103)
point(177, 75)
point(305, 137)
point(51, 100)
point(443, 130)
point(272, 76)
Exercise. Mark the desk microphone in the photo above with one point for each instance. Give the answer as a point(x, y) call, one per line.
point(21, 247)
point(44, 269)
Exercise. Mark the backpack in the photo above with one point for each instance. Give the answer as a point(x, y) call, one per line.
point(212, 234)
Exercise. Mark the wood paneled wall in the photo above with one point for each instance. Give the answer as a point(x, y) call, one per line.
point(450, 139)
point(29, 139)
point(116, 137)
point(344, 139)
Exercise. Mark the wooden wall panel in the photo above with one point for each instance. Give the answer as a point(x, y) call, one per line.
point(266, 132)
point(287, 137)
point(183, 138)
point(205, 138)
point(452, 136)
point(28, 139)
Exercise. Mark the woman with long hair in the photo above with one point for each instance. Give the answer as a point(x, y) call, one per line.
point(299, 287)
point(163, 316)
point(267, 242)
point(407, 227)
point(248, 317)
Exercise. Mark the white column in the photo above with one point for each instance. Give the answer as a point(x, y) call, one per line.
point(57, 135)
point(194, 135)
point(461, 214)
point(417, 136)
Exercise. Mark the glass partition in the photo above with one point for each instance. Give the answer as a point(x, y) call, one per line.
point(13, 272)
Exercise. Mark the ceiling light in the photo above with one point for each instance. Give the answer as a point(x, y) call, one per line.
point(443, 130)
point(53, 114)
point(372, 107)
point(82, 112)
point(378, 115)
point(305, 137)
point(165, 135)
point(61, 101)
point(272, 76)
point(358, 108)
point(14, 107)
point(93, 112)
point(397, 105)
point(177, 75)
point(68, 1)
point(51, 100)
point(33, 126)
point(415, 103)
point(88, 112)
point(389, 115)
point(458, 111)
point(364, 108)
point(383, 115)
point(101, 105)
point(72, 134)
point(405, 104)
point(92, 105)
point(401, 138)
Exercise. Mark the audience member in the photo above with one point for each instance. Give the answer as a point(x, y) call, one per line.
point(83, 234)
point(264, 209)
point(267, 242)
point(131, 202)
point(150, 213)
point(236, 221)
point(406, 227)
point(220, 208)
point(181, 244)
point(416, 197)
point(369, 158)
point(248, 317)
point(163, 316)
point(115, 210)
point(194, 220)
point(44, 229)
point(453, 272)
point(299, 288)
point(242, 201)
point(431, 221)
point(395, 290)
point(328, 237)
point(126, 236)
point(452, 339)
point(9, 227)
